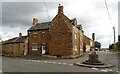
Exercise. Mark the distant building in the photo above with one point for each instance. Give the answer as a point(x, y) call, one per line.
point(15, 47)
point(88, 43)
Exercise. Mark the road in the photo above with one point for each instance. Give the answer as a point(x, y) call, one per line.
point(58, 65)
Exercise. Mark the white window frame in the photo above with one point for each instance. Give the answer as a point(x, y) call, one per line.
point(75, 47)
point(43, 49)
point(75, 35)
point(35, 47)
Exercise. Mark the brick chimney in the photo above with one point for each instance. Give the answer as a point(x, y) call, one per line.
point(20, 34)
point(60, 9)
point(35, 21)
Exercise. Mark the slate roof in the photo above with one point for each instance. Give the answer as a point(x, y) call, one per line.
point(10, 40)
point(44, 25)
point(79, 27)
point(16, 40)
point(86, 39)
point(20, 39)
point(73, 20)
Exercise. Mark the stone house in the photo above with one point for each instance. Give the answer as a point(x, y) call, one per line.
point(59, 37)
point(87, 43)
point(16, 46)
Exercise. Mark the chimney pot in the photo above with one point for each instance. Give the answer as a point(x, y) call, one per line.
point(60, 9)
point(20, 34)
point(35, 21)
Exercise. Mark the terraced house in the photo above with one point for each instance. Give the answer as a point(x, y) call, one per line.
point(16, 46)
point(59, 37)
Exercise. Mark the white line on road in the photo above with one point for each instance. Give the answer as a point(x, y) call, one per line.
point(94, 68)
point(45, 61)
point(54, 62)
point(70, 64)
point(58, 63)
point(0, 71)
point(49, 62)
point(104, 70)
point(27, 60)
point(38, 61)
point(34, 60)
point(117, 71)
point(64, 63)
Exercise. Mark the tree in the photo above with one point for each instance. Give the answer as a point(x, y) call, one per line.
point(111, 46)
point(117, 45)
point(97, 44)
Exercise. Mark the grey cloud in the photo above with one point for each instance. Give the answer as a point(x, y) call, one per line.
point(119, 18)
point(20, 12)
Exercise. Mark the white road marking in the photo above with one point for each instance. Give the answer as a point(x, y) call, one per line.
point(54, 62)
point(64, 63)
point(94, 68)
point(104, 70)
point(0, 71)
point(27, 60)
point(49, 62)
point(108, 69)
point(70, 64)
point(45, 61)
point(38, 61)
point(58, 63)
point(117, 71)
point(34, 60)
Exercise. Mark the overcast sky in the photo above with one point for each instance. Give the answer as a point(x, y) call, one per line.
point(17, 16)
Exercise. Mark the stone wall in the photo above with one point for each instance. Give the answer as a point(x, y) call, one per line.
point(39, 38)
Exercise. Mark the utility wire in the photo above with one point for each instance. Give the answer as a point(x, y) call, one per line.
point(108, 13)
point(110, 21)
point(46, 10)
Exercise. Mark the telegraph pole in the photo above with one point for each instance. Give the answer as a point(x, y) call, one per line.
point(114, 36)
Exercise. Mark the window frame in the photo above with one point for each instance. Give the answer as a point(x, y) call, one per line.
point(34, 46)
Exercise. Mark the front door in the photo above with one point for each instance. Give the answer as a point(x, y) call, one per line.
point(43, 49)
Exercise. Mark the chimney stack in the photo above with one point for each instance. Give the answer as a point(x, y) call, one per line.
point(20, 34)
point(35, 21)
point(60, 9)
